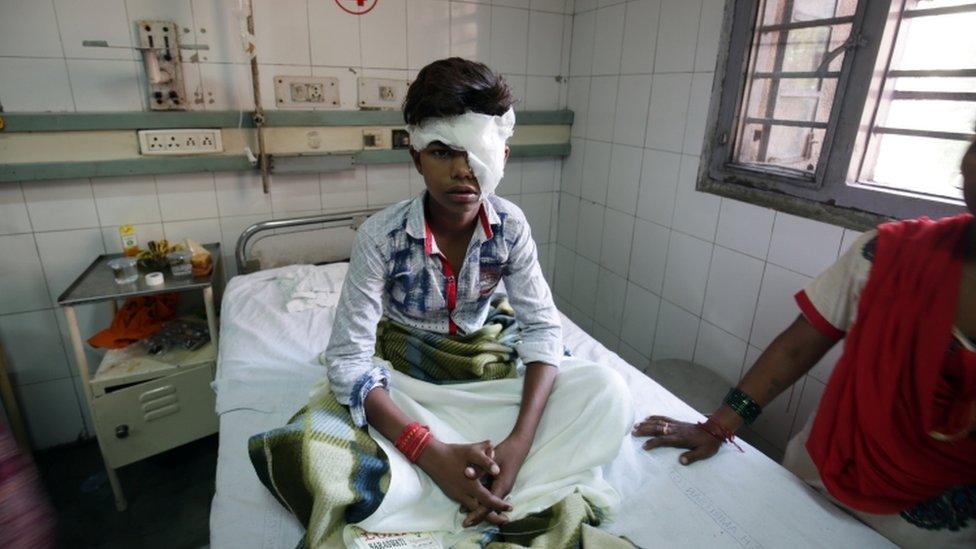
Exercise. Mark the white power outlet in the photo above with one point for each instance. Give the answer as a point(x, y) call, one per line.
point(189, 141)
point(305, 92)
point(382, 93)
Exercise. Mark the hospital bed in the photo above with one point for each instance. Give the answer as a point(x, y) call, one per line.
point(268, 361)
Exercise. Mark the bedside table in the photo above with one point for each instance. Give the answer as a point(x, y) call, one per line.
point(140, 404)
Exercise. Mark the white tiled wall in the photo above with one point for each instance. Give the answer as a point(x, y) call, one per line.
point(49, 231)
point(648, 265)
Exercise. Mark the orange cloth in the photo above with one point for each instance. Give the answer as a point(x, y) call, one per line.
point(139, 318)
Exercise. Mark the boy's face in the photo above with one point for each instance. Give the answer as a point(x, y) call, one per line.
point(449, 179)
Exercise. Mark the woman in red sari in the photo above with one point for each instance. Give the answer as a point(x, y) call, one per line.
point(894, 438)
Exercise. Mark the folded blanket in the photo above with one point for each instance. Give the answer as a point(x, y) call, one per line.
point(310, 287)
point(486, 354)
point(321, 446)
point(331, 474)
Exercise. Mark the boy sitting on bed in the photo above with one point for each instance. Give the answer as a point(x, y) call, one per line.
point(428, 267)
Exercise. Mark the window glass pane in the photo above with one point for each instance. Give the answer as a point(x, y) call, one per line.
point(781, 11)
point(919, 164)
point(802, 99)
point(937, 42)
point(806, 99)
point(784, 85)
point(924, 163)
point(943, 116)
point(786, 146)
point(800, 49)
point(927, 4)
point(935, 84)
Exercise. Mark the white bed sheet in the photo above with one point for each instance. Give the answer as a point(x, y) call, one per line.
point(268, 362)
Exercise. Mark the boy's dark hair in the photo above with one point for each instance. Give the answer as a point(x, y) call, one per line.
point(453, 86)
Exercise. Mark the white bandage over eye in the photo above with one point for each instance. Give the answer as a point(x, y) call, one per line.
point(482, 136)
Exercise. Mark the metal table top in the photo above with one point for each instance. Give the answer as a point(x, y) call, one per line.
point(97, 283)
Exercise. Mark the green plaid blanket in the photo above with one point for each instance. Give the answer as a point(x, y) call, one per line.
point(486, 354)
point(329, 473)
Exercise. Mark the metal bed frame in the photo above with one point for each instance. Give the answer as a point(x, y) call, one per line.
point(245, 264)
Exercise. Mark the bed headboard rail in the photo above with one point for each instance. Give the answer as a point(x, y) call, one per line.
point(247, 264)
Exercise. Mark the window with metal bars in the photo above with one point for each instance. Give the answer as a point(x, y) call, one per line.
point(848, 111)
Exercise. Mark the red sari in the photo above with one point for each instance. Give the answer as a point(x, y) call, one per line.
point(895, 384)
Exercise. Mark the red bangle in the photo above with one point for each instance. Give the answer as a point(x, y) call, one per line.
point(408, 433)
point(723, 434)
point(413, 440)
point(421, 445)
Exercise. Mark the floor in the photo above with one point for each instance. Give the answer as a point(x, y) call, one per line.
point(169, 497)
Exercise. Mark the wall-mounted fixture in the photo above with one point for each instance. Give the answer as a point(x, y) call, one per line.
point(159, 45)
point(304, 92)
point(382, 93)
point(180, 141)
point(43, 146)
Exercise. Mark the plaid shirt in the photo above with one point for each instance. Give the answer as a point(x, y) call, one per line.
point(397, 270)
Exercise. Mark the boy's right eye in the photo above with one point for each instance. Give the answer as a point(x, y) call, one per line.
point(440, 154)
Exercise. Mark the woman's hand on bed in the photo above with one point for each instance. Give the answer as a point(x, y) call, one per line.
point(446, 464)
point(668, 432)
point(509, 455)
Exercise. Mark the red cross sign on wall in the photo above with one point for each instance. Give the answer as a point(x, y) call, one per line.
point(361, 7)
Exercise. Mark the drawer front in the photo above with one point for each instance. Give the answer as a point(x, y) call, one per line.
point(151, 417)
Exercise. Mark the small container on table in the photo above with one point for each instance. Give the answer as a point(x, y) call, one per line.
point(141, 404)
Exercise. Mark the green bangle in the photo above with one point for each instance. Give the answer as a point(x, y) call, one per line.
point(743, 405)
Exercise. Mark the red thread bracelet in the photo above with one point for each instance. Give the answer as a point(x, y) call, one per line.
point(724, 435)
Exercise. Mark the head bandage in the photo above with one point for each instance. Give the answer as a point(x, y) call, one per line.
point(483, 136)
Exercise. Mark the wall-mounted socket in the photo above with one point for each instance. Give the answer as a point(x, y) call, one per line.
point(400, 139)
point(172, 142)
point(376, 138)
point(304, 92)
point(382, 93)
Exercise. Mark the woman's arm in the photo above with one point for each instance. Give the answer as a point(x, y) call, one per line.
point(828, 306)
point(791, 355)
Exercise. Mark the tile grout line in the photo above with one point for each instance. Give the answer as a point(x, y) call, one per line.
point(630, 257)
point(64, 58)
point(674, 204)
point(762, 281)
point(528, 33)
point(675, 207)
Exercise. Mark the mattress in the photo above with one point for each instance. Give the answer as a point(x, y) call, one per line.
point(268, 362)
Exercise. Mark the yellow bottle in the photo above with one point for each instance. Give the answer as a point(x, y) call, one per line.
point(130, 245)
